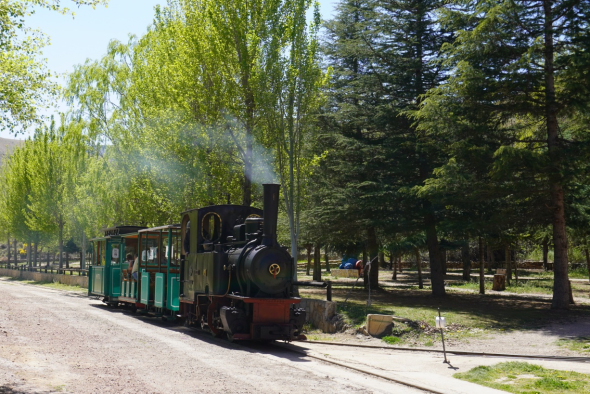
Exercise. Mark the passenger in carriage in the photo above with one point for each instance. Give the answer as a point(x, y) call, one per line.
point(129, 259)
point(135, 267)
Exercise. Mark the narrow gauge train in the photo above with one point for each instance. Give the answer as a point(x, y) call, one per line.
point(221, 269)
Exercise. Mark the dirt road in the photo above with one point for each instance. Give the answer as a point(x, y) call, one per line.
point(57, 341)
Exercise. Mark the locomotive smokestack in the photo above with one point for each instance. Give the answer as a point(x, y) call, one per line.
point(271, 213)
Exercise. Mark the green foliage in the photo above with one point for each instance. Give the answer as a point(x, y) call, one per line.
point(25, 83)
point(215, 99)
point(510, 112)
point(374, 161)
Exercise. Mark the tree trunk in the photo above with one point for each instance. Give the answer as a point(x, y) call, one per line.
point(482, 287)
point(29, 254)
point(61, 246)
point(443, 261)
point(83, 254)
point(391, 261)
point(399, 265)
point(247, 192)
point(327, 260)
point(489, 259)
point(515, 262)
point(8, 251)
point(15, 248)
point(381, 260)
point(419, 266)
point(508, 264)
point(317, 264)
point(560, 261)
point(394, 268)
point(308, 268)
point(35, 254)
point(67, 260)
point(465, 258)
point(588, 263)
point(545, 253)
point(373, 249)
point(436, 274)
point(47, 257)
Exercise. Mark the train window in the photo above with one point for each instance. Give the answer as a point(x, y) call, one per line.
point(115, 254)
point(94, 254)
point(211, 227)
point(186, 245)
point(103, 248)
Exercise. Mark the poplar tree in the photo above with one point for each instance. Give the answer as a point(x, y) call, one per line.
point(25, 82)
point(57, 154)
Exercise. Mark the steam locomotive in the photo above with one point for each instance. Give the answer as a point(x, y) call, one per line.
point(221, 269)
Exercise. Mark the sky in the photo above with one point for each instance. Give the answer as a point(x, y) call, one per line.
point(86, 36)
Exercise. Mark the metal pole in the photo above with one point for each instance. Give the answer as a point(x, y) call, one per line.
point(442, 336)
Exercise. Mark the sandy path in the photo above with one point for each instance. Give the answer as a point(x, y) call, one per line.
point(55, 341)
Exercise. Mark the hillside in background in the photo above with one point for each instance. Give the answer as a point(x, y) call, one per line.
point(7, 145)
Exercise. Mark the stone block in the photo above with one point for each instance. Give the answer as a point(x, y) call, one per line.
point(378, 324)
point(320, 314)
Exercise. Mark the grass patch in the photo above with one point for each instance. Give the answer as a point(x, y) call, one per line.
point(519, 377)
point(579, 273)
point(391, 340)
point(528, 286)
point(580, 344)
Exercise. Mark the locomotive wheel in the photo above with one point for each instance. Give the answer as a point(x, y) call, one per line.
point(211, 320)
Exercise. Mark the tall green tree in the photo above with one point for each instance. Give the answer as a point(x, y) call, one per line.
point(382, 53)
point(289, 99)
point(25, 82)
point(521, 65)
point(16, 192)
point(56, 158)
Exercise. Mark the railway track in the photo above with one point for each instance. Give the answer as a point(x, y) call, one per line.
point(462, 353)
point(293, 348)
point(310, 353)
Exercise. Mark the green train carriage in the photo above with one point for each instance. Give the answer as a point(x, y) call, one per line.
point(108, 267)
point(156, 289)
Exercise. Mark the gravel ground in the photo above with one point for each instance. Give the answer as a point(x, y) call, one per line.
point(57, 341)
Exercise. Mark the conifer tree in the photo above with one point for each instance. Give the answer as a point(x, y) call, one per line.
point(519, 78)
point(381, 54)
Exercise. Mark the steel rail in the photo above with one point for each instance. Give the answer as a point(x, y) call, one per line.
point(461, 352)
point(288, 347)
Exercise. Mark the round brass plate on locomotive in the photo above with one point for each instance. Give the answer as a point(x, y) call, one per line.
point(274, 269)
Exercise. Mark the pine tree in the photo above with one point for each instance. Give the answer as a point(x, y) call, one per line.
point(381, 54)
point(519, 78)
